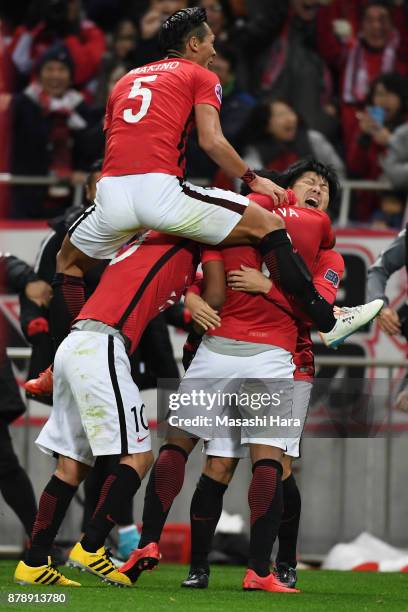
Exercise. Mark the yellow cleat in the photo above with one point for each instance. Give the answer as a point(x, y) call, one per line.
point(98, 563)
point(41, 575)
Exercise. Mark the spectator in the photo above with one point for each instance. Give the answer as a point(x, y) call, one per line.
point(47, 117)
point(120, 55)
point(235, 109)
point(372, 53)
point(275, 137)
point(395, 162)
point(148, 49)
point(58, 21)
point(292, 69)
point(390, 210)
point(385, 110)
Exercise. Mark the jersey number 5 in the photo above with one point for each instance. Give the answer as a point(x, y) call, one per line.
point(137, 90)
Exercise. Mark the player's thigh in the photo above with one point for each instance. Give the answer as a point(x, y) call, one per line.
point(109, 402)
point(301, 398)
point(173, 206)
point(266, 398)
point(203, 400)
point(64, 434)
point(103, 227)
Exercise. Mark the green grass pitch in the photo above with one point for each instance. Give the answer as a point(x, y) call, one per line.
point(160, 590)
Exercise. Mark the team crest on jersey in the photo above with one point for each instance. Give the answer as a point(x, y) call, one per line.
point(218, 92)
point(332, 277)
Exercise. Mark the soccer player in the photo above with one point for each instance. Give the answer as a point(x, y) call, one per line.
point(97, 407)
point(222, 459)
point(255, 338)
point(148, 117)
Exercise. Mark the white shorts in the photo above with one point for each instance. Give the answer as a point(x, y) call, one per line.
point(97, 408)
point(232, 447)
point(155, 201)
point(269, 373)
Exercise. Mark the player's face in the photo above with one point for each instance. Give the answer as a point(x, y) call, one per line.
point(205, 51)
point(55, 78)
point(312, 191)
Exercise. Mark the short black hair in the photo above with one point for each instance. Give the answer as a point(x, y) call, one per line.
point(394, 83)
point(180, 26)
point(288, 178)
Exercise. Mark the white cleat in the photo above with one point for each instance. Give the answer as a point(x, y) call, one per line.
point(349, 321)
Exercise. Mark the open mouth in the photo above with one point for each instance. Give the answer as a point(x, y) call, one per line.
point(312, 202)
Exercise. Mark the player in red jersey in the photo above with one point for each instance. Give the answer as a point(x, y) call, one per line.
point(97, 407)
point(257, 338)
point(148, 117)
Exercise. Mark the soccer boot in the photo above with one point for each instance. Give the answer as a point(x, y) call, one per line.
point(41, 575)
point(286, 575)
point(349, 320)
point(253, 582)
point(42, 385)
point(197, 578)
point(140, 560)
point(98, 563)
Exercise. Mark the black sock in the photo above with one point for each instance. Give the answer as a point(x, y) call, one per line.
point(68, 299)
point(288, 270)
point(119, 487)
point(165, 482)
point(265, 502)
point(289, 527)
point(18, 493)
point(53, 506)
point(205, 512)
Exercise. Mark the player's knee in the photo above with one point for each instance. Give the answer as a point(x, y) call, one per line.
point(264, 223)
point(70, 471)
point(220, 469)
point(140, 462)
point(286, 467)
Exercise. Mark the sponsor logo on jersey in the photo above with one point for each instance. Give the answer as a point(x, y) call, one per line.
point(332, 277)
point(218, 92)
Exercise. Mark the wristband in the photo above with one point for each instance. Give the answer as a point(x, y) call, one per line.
point(248, 177)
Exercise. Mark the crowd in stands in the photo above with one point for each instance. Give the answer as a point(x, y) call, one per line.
point(299, 77)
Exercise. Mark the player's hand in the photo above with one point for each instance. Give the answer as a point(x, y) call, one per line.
point(389, 321)
point(248, 279)
point(267, 187)
point(201, 312)
point(39, 292)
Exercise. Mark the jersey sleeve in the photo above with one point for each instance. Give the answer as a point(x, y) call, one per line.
point(108, 115)
point(207, 89)
point(210, 255)
point(327, 273)
point(329, 237)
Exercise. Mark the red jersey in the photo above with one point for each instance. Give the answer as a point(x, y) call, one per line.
point(254, 317)
point(309, 229)
point(146, 278)
point(150, 113)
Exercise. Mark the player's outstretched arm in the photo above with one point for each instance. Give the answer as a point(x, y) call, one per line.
point(213, 142)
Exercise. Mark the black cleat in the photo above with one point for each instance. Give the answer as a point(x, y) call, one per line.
point(286, 575)
point(197, 579)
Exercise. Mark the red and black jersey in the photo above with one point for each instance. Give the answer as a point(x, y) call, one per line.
point(147, 277)
point(150, 113)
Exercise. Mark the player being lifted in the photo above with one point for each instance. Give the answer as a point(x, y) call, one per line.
point(148, 117)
